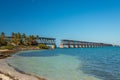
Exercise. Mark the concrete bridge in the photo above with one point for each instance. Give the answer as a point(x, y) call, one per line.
point(81, 44)
point(47, 41)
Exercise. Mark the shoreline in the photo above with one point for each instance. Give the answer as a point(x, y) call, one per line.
point(9, 72)
point(8, 53)
point(22, 72)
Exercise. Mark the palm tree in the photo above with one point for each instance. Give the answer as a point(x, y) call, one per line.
point(13, 34)
point(18, 35)
point(13, 37)
point(2, 34)
point(23, 35)
point(37, 37)
point(16, 38)
point(31, 40)
point(24, 38)
point(2, 39)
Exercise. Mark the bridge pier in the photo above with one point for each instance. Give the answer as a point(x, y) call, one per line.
point(92, 46)
point(86, 46)
point(61, 46)
point(72, 46)
point(53, 46)
point(77, 46)
point(81, 44)
point(67, 46)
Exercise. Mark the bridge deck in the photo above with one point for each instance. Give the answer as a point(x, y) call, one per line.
point(82, 43)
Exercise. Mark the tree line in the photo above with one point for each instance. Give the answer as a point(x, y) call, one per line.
point(17, 39)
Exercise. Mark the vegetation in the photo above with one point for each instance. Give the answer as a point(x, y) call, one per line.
point(9, 46)
point(43, 46)
point(18, 39)
point(2, 39)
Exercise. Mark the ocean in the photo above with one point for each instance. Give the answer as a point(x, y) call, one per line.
point(70, 64)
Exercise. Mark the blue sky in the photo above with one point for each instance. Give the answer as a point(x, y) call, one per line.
point(85, 20)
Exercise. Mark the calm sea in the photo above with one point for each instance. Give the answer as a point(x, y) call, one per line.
point(71, 64)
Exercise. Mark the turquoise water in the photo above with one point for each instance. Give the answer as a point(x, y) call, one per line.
point(71, 64)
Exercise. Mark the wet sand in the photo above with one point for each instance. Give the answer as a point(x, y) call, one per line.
point(7, 72)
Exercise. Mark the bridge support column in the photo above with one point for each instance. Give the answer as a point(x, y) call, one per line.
point(73, 46)
point(95, 45)
point(86, 46)
point(53, 46)
point(92, 46)
point(77, 46)
point(61, 46)
point(81, 46)
point(67, 46)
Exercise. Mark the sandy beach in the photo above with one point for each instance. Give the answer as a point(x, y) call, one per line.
point(9, 73)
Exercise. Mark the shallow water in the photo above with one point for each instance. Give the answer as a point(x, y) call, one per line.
point(71, 64)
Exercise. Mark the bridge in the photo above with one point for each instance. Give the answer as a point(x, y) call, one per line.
point(47, 41)
point(68, 43)
point(81, 44)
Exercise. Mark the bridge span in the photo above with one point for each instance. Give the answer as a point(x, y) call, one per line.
point(47, 41)
point(81, 44)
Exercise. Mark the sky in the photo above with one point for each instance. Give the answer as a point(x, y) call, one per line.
point(84, 20)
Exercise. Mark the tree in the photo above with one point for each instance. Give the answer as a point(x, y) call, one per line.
point(2, 39)
point(43, 46)
point(37, 37)
point(23, 35)
point(24, 38)
point(16, 38)
point(18, 35)
point(31, 40)
point(19, 38)
point(2, 34)
point(13, 34)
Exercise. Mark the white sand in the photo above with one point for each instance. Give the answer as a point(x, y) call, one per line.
point(4, 50)
point(6, 69)
point(5, 77)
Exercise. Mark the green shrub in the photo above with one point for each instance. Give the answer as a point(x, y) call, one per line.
point(43, 46)
point(9, 46)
